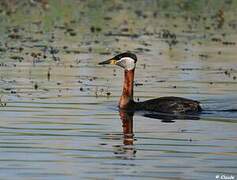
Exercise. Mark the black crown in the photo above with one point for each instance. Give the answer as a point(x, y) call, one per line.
point(126, 54)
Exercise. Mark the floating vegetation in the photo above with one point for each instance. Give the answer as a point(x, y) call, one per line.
point(58, 108)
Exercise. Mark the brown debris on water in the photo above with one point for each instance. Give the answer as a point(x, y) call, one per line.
point(36, 86)
point(108, 94)
point(49, 74)
point(228, 43)
point(14, 36)
point(94, 29)
point(216, 39)
point(138, 84)
point(121, 34)
point(170, 38)
point(203, 56)
point(19, 58)
point(70, 31)
point(220, 18)
point(226, 72)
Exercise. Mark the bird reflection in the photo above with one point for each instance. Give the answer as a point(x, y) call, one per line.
point(170, 118)
point(127, 124)
point(127, 150)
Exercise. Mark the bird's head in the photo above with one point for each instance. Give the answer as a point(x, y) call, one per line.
point(125, 60)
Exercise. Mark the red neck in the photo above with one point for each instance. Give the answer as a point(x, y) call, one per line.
point(127, 96)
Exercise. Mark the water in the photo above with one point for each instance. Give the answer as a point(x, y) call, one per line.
point(61, 120)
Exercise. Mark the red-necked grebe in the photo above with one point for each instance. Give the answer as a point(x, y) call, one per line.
point(170, 104)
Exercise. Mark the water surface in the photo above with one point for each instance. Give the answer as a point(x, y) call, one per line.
point(59, 116)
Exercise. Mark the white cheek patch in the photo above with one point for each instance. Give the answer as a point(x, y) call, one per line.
point(127, 63)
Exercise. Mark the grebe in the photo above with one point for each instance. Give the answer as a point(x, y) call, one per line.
point(170, 104)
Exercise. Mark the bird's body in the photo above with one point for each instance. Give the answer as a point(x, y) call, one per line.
point(170, 104)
